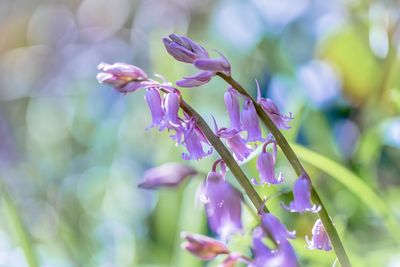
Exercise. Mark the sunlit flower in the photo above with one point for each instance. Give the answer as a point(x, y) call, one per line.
point(250, 122)
point(172, 105)
point(193, 140)
point(302, 197)
point(154, 101)
point(275, 228)
point(204, 247)
point(320, 239)
point(231, 98)
point(198, 79)
point(222, 202)
point(266, 166)
point(214, 64)
point(166, 175)
point(235, 142)
point(184, 49)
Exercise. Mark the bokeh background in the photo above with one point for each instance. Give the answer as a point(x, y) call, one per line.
point(72, 151)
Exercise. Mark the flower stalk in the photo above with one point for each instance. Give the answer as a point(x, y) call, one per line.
point(298, 168)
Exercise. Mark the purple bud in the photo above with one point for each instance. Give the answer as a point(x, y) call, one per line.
point(250, 122)
point(215, 65)
point(320, 239)
point(193, 142)
point(153, 100)
point(184, 49)
point(166, 175)
point(266, 166)
point(277, 230)
point(196, 80)
point(204, 247)
point(172, 105)
point(231, 98)
point(235, 142)
point(223, 205)
point(302, 197)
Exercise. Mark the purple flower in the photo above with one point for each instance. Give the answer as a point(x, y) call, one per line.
point(222, 203)
point(172, 105)
point(282, 256)
point(153, 100)
point(184, 49)
point(266, 166)
point(274, 228)
point(273, 112)
point(166, 175)
point(215, 65)
point(250, 122)
point(320, 239)
point(204, 247)
point(302, 197)
point(231, 98)
point(235, 142)
point(196, 80)
point(124, 77)
point(193, 139)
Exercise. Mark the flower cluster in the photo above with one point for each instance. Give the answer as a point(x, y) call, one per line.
point(222, 201)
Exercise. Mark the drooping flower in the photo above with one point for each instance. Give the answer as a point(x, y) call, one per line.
point(235, 142)
point(231, 98)
point(302, 197)
point(171, 105)
point(222, 202)
point(280, 120)
point(123, 77)
point(250, 122)
point(198, 79)
point(166, 175)
point(275, 228)
point(184, 49)
point(320, 239)
point(154, 102)
point(214, 64)
point(204, 247)
point(266, 166)
point(193, 140)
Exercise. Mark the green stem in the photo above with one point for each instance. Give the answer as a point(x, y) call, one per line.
point(298, 168)
point(226, 156)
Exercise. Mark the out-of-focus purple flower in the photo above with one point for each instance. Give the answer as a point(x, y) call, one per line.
point(198, 79)
point(320, 239)
point(250, 122)
point(153, 100)
point(123, 77)
point(266, 166)
point(231, 98)
point(275, 228)
point(223, 203)
point(214, 64)
point(193, 142)
point(273, 112)
point(204, 247)
point(235, 142)
point(172, 105)
point(302, 197)
point(166, 175)
point(233, 259)
point(184, 49)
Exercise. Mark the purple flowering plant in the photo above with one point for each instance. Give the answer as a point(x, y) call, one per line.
point(234, 144)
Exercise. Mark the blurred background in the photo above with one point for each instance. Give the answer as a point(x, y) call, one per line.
point(72, 151)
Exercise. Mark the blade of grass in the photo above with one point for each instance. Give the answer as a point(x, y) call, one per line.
point(355, 184)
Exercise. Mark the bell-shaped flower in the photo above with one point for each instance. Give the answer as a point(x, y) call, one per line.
point(250, 122)
point(193, 140)
point(280, 120)
point(223, 204)
point(198, 79)
point(266, 166)
point(184, 49)
point(214, 64)
point(302, 197)
point(166, 175)
point(320, 239)
point(235, 142)
point(204, 247)
point(275, 228)
point(154, 102)
point(172, 105)
point(231, 98)
point(123, 77)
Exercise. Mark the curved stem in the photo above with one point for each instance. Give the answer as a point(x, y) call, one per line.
point(226, 156)
point(298, 168)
